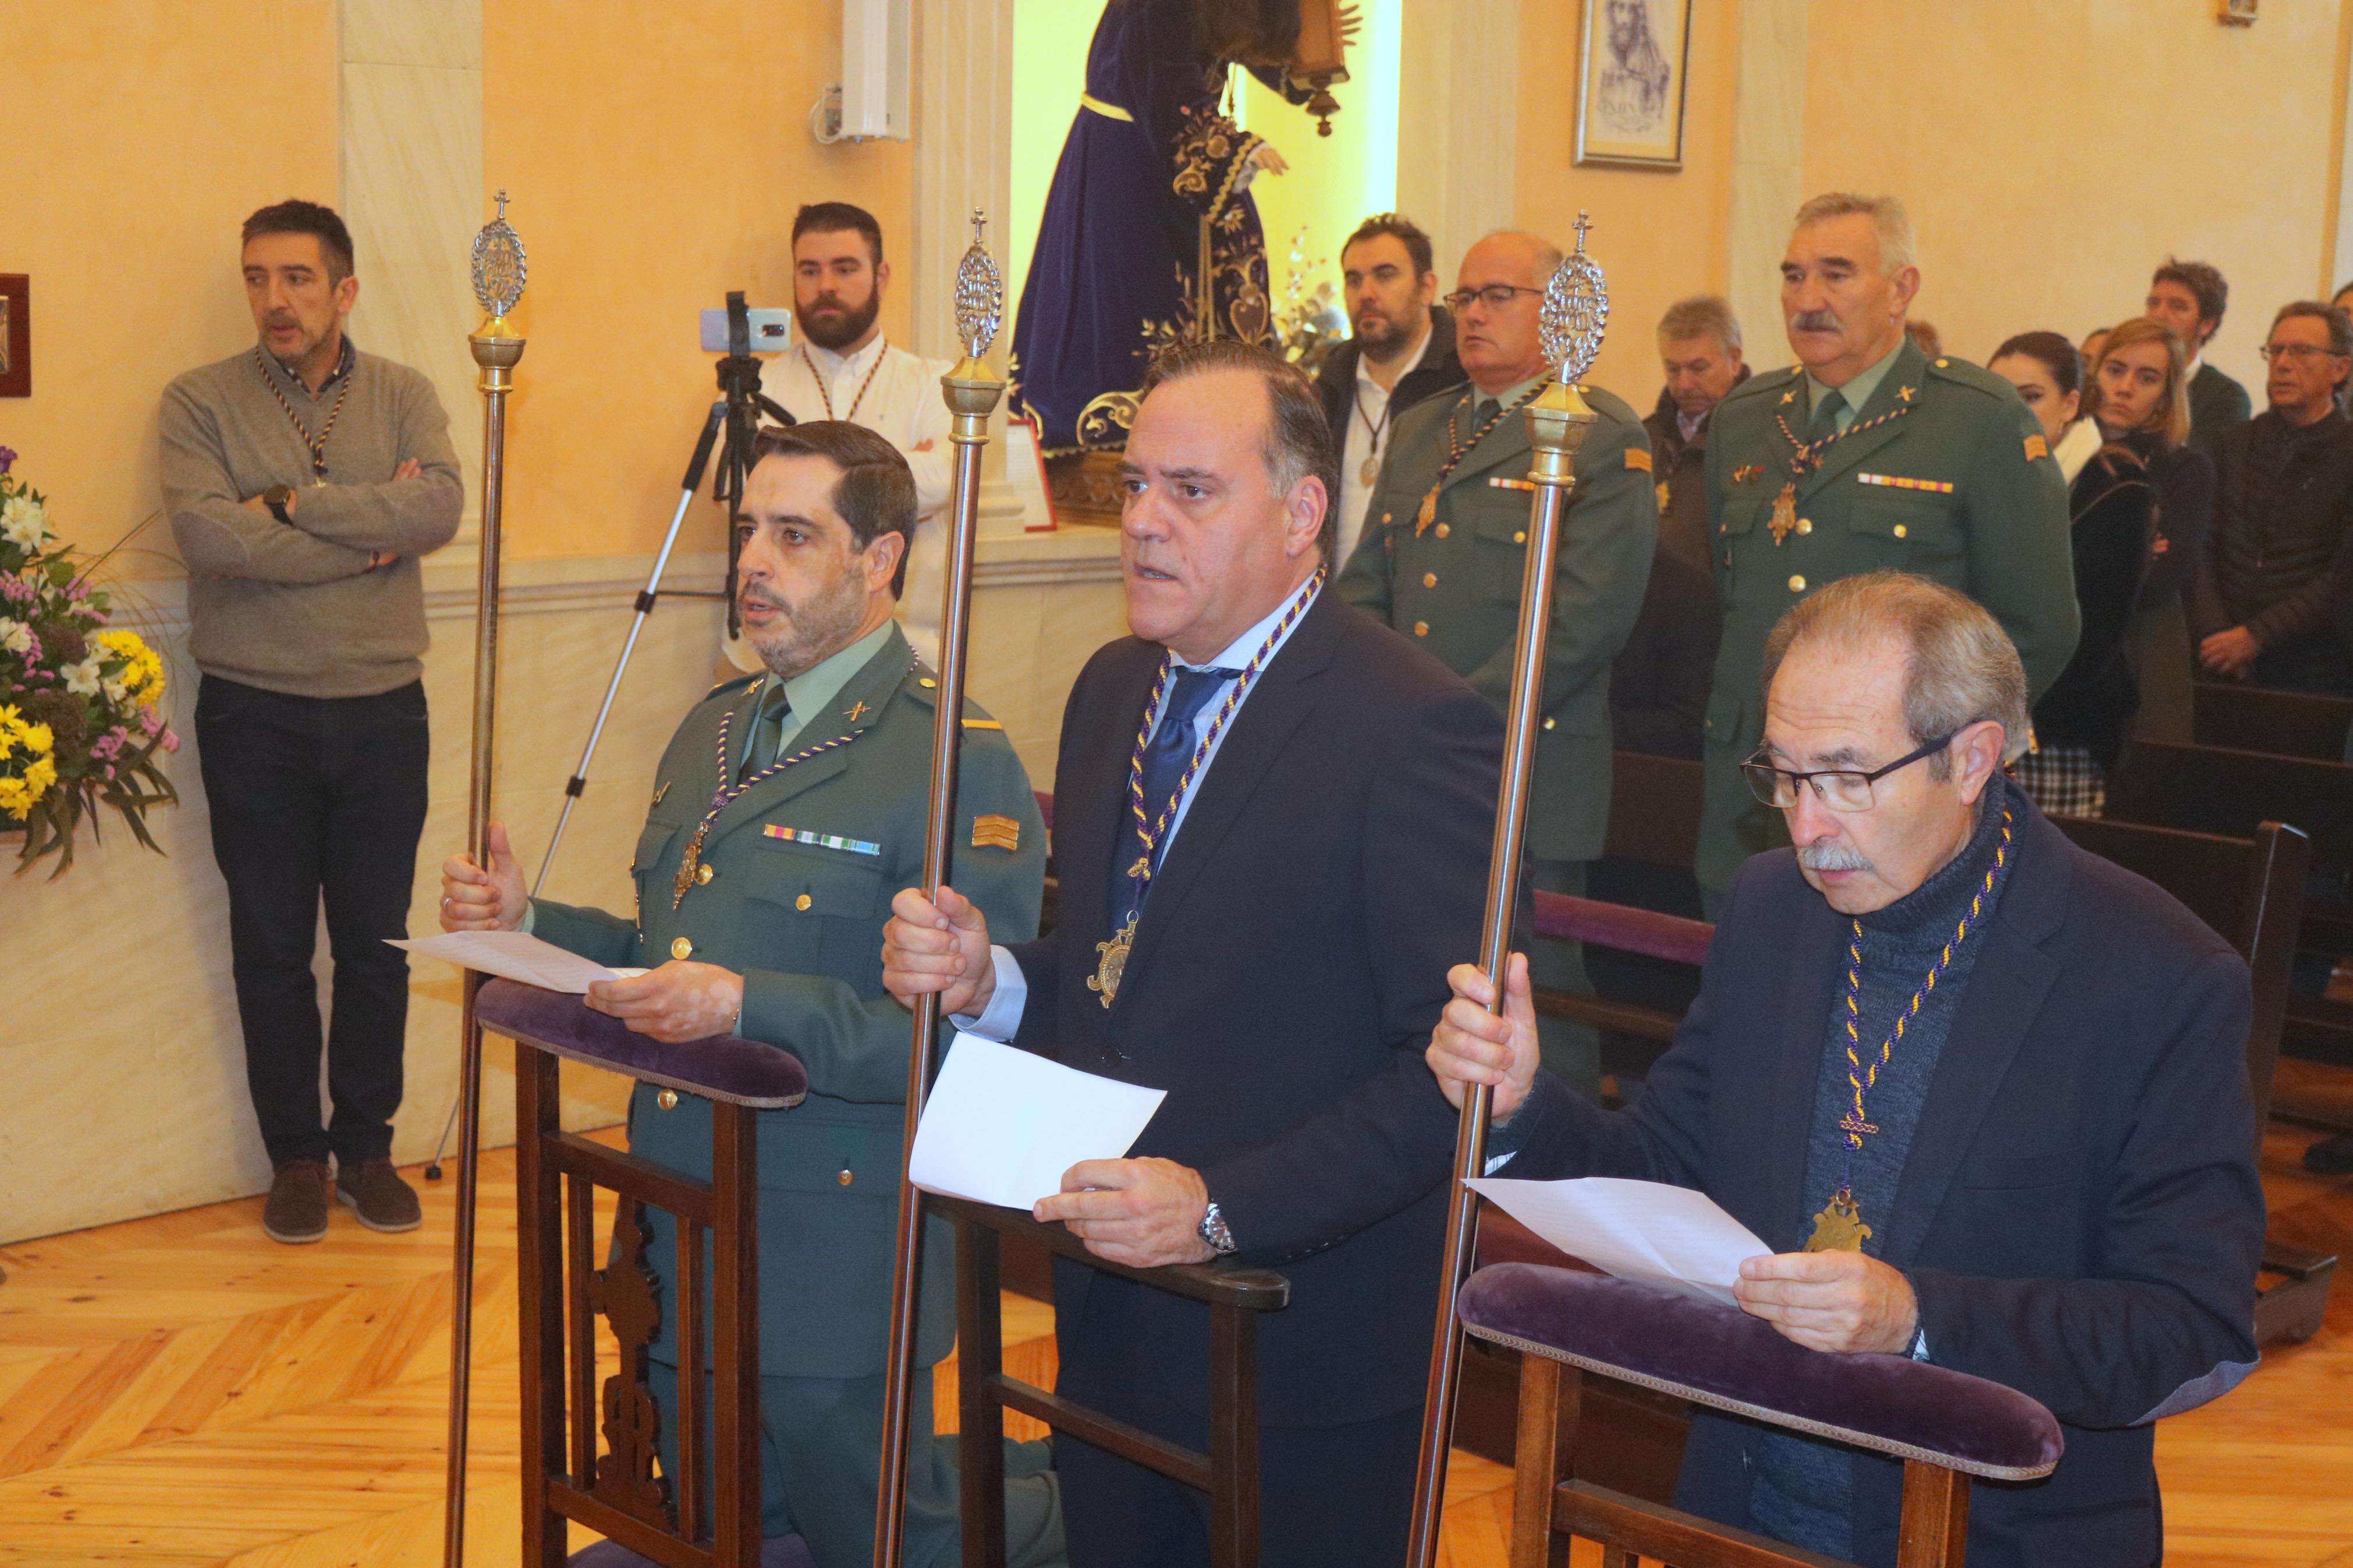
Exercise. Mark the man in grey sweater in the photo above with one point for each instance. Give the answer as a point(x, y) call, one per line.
point(304, 481)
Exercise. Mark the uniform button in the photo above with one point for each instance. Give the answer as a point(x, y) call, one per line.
point(703, 873)
point(1548, 723)
point(802, 902)
point(927, 683)
point(681, 949)
point(1943, 363)
point(1899, 530)
point(1430, 579)
point(666, 1099)
point(1797, 584)
point(843, 1176)
point(1385, 518)
point(1443, 531)
point(1521, 537)
point(1421, 628)
point(1805, 525)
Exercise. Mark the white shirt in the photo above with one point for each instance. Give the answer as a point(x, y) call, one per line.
point(902, 403)
point(1370, 412)
point(1003, 1015)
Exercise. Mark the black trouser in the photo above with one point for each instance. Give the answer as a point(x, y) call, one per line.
point(317, 798)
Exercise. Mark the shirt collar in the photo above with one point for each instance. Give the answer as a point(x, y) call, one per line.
point(344, 362)
point(1236, 654)
point(836, 366)
point(1413, 362)
point(1506, 397)
point(1689, 425)
point(1860, 389)
point(812, 691)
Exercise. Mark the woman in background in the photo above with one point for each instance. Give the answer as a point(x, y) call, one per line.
point(2137, 391)
point(2080, 723)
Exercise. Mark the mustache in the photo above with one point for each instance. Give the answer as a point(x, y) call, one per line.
point(1832, 857)
point(1814, 321)
point(749, 596)
point(827, 303)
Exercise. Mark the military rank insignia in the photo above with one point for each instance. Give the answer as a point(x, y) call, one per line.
point(1638, 459)
point(823, 840)
point(1901, 482)
point(1748, 471)
point(2036, 446)
point(996, 833)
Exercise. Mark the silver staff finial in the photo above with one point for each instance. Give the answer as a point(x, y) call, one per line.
point(499, 268)
point(1575, 311)
point(979, 295)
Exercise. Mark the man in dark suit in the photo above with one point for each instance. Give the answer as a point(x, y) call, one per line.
point(2190, 297)
point(1402, 353)
point(2048, 1181)
point(1266, 939)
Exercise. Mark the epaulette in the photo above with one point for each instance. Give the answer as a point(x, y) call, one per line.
point(1945, 367)
point(1763, 381)
point(741, 681)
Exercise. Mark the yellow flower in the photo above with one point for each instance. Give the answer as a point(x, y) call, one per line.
point(39, 777)
point(15, 799)
point(38, 738)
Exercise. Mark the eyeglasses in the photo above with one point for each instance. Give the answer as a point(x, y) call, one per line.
point(1841, 789)
point(2296, 353)
point(1495, 296)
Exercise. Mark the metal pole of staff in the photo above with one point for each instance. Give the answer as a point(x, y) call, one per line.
point(972, 394)
point(1575, 310)
point(498, 274)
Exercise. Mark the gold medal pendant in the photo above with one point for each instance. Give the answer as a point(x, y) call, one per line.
point(687, 866)
point(1839, 1227)
point(1429, 512)
point(1785, 513)
point(1370, 469)
point(1113, 963)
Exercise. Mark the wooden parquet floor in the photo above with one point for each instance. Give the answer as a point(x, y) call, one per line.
point(181, 1392)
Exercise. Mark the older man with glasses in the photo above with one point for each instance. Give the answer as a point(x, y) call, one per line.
point(1983, 1093)
point(1443, 551)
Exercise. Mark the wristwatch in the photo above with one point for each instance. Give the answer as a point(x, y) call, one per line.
point(275, 497)
point(1213, 1230)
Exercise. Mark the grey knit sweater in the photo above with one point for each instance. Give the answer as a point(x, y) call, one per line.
point(296, 608)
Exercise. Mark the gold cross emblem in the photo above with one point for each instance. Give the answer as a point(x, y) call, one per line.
point(1790, 396)
point(1904, 394)
point(857, 711)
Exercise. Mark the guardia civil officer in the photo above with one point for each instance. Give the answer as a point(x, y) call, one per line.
point(788, 808)
point(1866, 455)
point(1443, 549)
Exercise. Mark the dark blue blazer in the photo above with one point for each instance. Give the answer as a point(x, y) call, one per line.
point(2079, 1215)
point(1287, 973)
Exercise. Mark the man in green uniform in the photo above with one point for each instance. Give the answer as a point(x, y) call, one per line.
point(788, 808)
point(1445, 546)
point(1866, 455)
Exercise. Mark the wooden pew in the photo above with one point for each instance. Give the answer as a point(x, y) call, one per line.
point(2286, 723)
point(2208, 789)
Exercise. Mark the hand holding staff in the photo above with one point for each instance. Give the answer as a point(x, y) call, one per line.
point(1575, 310)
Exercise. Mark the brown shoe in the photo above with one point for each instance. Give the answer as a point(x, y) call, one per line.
point(297, 1210)
point(376, 1194)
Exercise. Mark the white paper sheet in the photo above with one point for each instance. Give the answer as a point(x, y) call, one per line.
point(515, 955)
point(1672, 1237)
point(1002, 1125)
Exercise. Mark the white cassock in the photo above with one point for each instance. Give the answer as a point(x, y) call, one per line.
point(896, 394)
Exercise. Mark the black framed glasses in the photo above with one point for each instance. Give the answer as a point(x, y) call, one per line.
point(1841, 789)
point(1495, 296)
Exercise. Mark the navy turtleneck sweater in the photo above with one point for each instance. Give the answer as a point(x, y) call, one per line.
point(1802, 1490)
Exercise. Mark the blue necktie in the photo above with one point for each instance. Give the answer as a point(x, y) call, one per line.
point(1172, 746)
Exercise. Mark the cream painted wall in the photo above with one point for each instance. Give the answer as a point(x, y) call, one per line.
point(1049, 70)
point(1334, 181)
point(2046, 182)
point(128, 164)
point(656, 154)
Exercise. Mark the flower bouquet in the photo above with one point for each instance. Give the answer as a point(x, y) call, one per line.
point(79, 721)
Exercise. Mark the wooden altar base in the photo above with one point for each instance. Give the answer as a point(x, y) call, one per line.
point(181, 1392)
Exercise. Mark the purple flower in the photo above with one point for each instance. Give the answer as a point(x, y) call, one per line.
point(171, 740)
point(7, 456)
point(14, 589)
point(150, 720)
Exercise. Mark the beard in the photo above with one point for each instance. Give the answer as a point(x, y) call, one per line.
point(839, 331)
point(1382, 335)
point(811, 632)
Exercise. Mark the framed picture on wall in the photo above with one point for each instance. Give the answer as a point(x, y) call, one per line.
point(16, 335)
point(1631, 63)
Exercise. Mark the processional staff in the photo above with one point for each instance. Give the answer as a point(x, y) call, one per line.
point(1576, 313)
point(972, 394)
point(498, 274)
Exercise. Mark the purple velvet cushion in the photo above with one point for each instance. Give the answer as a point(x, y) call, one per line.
point(776, 1552)
point(1623, 927)
point(1720, 1356)
point(722, 1068)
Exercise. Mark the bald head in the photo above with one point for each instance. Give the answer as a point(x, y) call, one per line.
point(1499, 342)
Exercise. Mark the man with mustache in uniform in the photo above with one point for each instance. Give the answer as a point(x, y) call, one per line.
point(1867, 455)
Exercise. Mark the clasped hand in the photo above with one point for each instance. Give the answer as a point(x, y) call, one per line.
point(938, 948)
